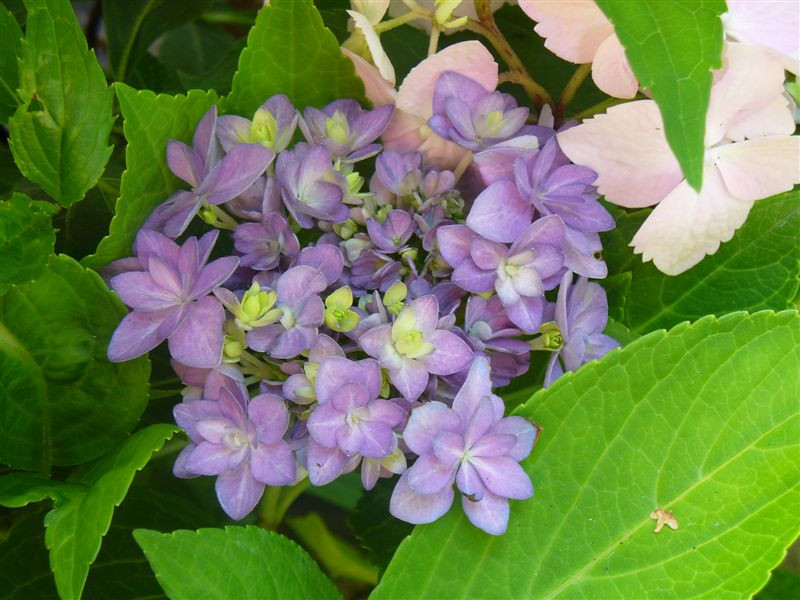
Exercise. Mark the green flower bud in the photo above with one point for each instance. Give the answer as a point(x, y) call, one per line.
point(337, 128)
point(394, 297)
point(256, 308)
point(338, 315)
point(264, 129)
point(550, 338)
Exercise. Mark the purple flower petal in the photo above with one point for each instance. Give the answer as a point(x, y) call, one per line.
point(137, 334)
point(238, 492)
point(213, 275)
point(524, 432)
point(377, 439)
point(185, 162)
point(324, 422)
point(469, 482)
point(474, 279)
point(273, 464)
point(324, 464)
point(454, 243)
point(270, 416)
point(500, 213)
point(477, 386)
point(504, 477)
point(487, 254)
point(197, 342)
point(298, 283)
point(428, 475)
point(410, 379)
point(138, 290)
point(490, 513)
point(412, 507)
point(232, 130)
point(213, 459)
point(426, 421)
point(204, 139)
point(448, 448)
point(526, 313)
point(236, 172)
point(451, 353)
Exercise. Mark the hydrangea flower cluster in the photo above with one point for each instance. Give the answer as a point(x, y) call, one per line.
point(361, 319)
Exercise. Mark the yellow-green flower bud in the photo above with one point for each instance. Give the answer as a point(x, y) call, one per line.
point(264, 129)
point(209, 215)
point(256, 308)
point(354, 182)
point(337, 128)
point(550, 338)
point(444, 10)
point(231, 350)
point(338, 315)
point(395, 296)
point(346, 230)
point(385, 384)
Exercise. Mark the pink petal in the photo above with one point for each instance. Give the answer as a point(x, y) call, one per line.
point(751, 80)
point(378, 90)
point(611, 71)
point(774, 119)
point(771, 25)
point(759, 168)
point(627, 148)
point(573, 29)
point(412, 507)
point(686, 225)
point(471, 58)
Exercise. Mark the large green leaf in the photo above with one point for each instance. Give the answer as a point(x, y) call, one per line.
point(76, 526)
point(701, 420)
point(290, 51)
point(132, 25)
point(59, 136)
point(758, 269)
point(150, 121)
point(26, 239)
point(235, 562)
point(672, 47)
point(22, 488)
point(61, 401)
point(10, 45)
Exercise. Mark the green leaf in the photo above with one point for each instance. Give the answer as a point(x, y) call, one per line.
point(377, 530)
point(672, 47)
point(26, 239)
point(758, 269)
point(24, 572)
point(701, 420)
point(339, 559)
point(132, 25)
point(76, 526)
point(235, 562)
point(290, 51)
point(59, 136)
point(150, 121)
point(20, 489)
point(10, 49)
point(61, 401)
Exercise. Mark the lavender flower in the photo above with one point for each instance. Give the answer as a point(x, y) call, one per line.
point(302, 312)
point(170, 300)
point(212, 180)
point(299, 387)
point(345, 129)
point(471, 116)
point(581, 317)
point(349, 420)
point(272, 126)
point(400, 173)
point(311, 188)
point(263, 244)
point(414, 347)
point(554, 186)
point(391, 234)
point(520, 274)
point(239, 441)
point(470, 445)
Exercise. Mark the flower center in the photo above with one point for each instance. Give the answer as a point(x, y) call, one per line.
point(337, 128)
point(264, 129)
point(235, 439)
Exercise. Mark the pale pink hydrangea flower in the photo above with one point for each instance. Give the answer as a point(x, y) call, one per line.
point(408, 131)
point(578, 31)
point(750, 154)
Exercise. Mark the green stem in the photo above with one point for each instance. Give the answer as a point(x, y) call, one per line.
point(486, 27)
point(401, 20)
point(603, 106)
point(276, 502)
point(229, 17)
point(434, 43)
point(574, 83)
point(126, 51)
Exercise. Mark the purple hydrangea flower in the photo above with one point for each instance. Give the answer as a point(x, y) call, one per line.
point(471, 116)
point(212, 180)
point(415, 346)
point(373, 270)
point(393, 232)
point(263, 244)
point(520, 274)
point(171, 300)
point(346, 129)
point(557, 187)
point(239, 441)
point(470, 445)
point(311, 187)
point(581, 317)
point(299, 387)
point(272, 126)
point(302, 312)
point(349, 419)
point(399, 173)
